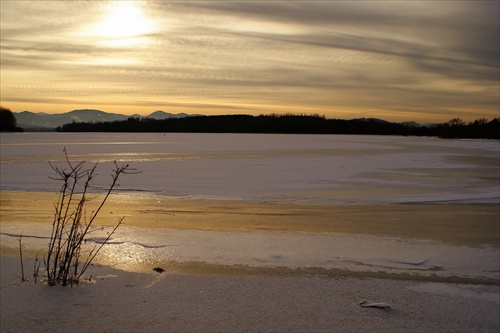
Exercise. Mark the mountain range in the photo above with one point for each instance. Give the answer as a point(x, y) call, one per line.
point(44, 121)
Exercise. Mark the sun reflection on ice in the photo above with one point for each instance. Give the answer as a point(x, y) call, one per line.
point(127, 256)
point(134, 256)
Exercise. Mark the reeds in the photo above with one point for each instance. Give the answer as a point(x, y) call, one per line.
point(66, 262)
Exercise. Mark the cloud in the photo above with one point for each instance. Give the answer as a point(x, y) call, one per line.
point(459, 32)
point(382, 56)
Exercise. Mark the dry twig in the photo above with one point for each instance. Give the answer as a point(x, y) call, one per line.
point(71, 225)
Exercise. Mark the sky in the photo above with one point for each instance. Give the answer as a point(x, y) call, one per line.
point(422, 61)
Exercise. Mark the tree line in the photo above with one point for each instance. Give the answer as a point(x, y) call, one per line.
point(292, 124)
point(8, 121)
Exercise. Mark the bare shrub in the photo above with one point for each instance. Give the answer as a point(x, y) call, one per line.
point(66, 262)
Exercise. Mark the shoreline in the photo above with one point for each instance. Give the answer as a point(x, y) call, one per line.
point(203, 296)
point(171, 302)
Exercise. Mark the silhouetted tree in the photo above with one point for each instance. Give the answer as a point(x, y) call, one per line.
point(479, 122)
point(8, 121)
point(456, 122)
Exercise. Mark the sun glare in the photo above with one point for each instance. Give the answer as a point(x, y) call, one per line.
point(124, 24)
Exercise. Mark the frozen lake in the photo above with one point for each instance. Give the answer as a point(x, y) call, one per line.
point(315, 171)
point(307, 169)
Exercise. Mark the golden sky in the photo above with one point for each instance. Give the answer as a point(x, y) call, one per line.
point(425, 61)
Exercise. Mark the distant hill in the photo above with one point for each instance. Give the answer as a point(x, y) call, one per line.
point(43, 121)
point(165, 115)
point(377, 120)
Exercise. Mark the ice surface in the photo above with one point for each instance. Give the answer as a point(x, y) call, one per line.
point(306, 169)
point(300, 168)
point(132, 248)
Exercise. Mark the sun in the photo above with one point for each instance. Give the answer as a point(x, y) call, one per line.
point(123, 24)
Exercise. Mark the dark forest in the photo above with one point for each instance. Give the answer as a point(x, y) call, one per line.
point(292, 124)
